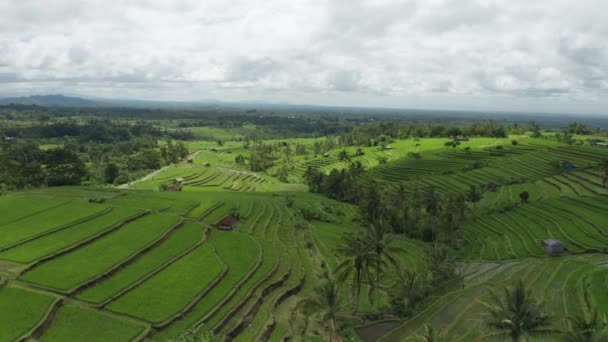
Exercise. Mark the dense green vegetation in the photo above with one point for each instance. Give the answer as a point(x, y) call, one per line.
point(382, 230)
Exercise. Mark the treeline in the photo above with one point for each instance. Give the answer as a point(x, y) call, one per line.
point(271, 124)
point(420, 213)
point(101, 131)
point(98, 152)
point(376, 132)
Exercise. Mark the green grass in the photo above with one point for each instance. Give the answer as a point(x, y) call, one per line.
point(183, 238)
point(46, 221)
point(35, 249)
point(240, 253)
point(20, 311)
point(83, 264)
point(74, 323)
point(167, 292)
point(17, 207)
point(159, 290)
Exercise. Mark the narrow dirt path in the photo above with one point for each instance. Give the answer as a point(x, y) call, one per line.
point(154, 173)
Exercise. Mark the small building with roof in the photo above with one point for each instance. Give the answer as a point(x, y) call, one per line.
point(227, 223)
point(553, 247)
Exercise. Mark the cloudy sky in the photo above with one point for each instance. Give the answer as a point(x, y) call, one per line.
point(510, 55)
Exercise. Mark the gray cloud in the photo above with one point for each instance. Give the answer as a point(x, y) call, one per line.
point(435, 53)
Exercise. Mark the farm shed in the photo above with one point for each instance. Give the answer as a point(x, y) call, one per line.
point(388, 147)
point(553, 246)
point(227, 223)
point(601, 144)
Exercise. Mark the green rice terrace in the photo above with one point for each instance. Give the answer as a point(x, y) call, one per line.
point(210, 245)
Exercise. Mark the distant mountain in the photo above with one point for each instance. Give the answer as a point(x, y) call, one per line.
point(49, 101)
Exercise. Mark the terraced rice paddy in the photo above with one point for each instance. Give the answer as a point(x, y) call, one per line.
point(558, 283)
point(147, 264)
point(579, 223)
point(147, 270)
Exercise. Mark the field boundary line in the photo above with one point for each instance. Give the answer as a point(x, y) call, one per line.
point(157, 270)
point(37, 213)
point(189, 210)
point(246, 298)
point(38, 330)
point(210, 210)
point(240, 327)
point(236, 288)
point(125, 262)
point(197, 298)
point(56, 229)
point(82, 243)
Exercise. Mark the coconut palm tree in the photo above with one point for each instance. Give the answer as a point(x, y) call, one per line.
point(441, 262)
point(432, 204)
point(430, 335)
point(409, 287)
point(593, 330)
point(325, 304)
point(383, 246)
point(604, 170)
point(516, 312)
point(196, 335)
point(358, 260)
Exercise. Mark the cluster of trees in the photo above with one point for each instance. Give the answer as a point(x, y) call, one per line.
point(421, 213)
point(95, 152)
point(373, 134)
point(95, 130)
point(23, 164)
point(365, 257)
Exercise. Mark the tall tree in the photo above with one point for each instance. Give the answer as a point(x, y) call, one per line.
point(196, 335)
point(442, 263)
point(604, 170)
point(594, 329)
point(384, 248)
point(432, 205)
point(474, 195)
point(326, 304)
point(524, 196)
point(358, 260)
point(516, 312)
point(431, 335)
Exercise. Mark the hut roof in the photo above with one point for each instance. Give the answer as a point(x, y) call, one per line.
point(552, 242)
point(228, 220)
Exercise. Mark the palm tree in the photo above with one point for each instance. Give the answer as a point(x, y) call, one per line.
point(442, 263)
point(409, 286)
point(358, 259)
point(604, 169)
point(195, 335)
point(517, 312)
point(430, 335)
point(382, 245)
point(474, 195)
point(432, 203)
point(593, 330)
point(452, 213)
point(325, 303)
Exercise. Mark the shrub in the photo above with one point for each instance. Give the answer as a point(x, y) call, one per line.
point(524, 196)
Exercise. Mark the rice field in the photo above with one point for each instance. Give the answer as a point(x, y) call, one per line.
point(148, 265)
